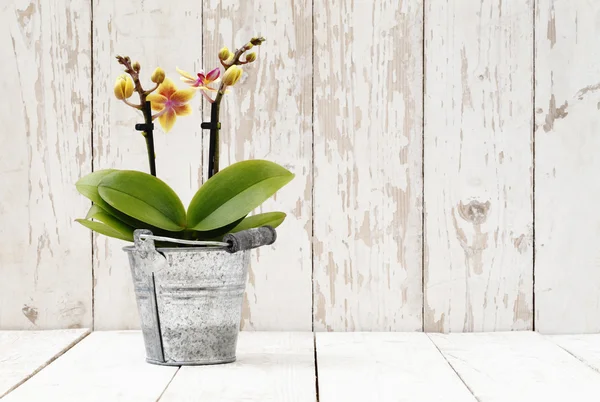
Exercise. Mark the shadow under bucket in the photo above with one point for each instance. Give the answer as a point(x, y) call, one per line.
point(190, 299)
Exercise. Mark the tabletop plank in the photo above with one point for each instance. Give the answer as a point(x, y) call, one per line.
point(586, 347)
point(105, 366)
point(518, 366)
point(385, 367)
point(270, 366)
point(24, 353)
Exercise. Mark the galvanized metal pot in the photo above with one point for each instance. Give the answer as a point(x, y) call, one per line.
point(189, 299)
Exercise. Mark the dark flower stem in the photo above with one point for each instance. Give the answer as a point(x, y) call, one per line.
point(147, 128)
point(148, 134)
point(215, 128)
point(215, 125)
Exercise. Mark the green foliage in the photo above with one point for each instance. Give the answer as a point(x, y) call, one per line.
point(125, 200)
point(106, 224)
point(235, 191)
point(272, 219)
point(143, 197)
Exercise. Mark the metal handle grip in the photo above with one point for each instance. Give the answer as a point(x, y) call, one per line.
point(232, 242)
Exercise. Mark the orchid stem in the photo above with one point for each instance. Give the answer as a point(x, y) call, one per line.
point(213, 150)
point(149, 136)
point(148, 127)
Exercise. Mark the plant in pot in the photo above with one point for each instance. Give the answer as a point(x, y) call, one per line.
point(189, 267)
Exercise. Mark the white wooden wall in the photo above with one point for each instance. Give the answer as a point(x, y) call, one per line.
point(444, 151)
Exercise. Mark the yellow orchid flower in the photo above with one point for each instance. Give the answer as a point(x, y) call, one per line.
point(170, 102)
point(232, 75)
point(123, 87)
point(202, 81)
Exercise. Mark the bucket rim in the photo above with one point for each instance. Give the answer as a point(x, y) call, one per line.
point(129, 249)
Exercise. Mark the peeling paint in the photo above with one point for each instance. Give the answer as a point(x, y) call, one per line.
point(555, 113)
point(31, 313)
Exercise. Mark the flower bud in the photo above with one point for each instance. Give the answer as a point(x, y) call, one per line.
point(250, 57)
point(249, 45)
point(232, 75)
point(136, 67)
point(123, 87)
point(257, 41)
point(224, 54)
point(158, 76)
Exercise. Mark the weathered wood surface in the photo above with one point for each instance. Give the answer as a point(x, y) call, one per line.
point(363, 270)
point(270, 366)
point(385, 367)
point(24, 353)
point(478, 165)
point(518, 367)
point(567, 223)
point(368, 148)
point(267, 115)
point(105, 366)
point(586, 347)
point(45, 258)
point(155, 35)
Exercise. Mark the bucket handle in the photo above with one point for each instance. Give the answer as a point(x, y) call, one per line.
point(232, 242)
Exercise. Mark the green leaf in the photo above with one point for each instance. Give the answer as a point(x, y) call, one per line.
point(272, 219)
point(217, 234)
point(104, 229)
point(94, 210)
point(234, 192)
point(88, 186)
point(106, 224)
point(143, 197)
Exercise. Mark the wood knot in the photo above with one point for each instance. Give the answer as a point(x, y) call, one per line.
point(475, 212)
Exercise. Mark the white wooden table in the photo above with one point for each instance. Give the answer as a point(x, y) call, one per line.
point(71, 365)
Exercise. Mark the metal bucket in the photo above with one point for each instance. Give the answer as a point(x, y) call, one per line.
point(189, 300)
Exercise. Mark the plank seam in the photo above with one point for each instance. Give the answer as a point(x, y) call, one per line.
point(582, 360)
point(168, 384)
point(423, 174)
point(533, 130)
point(47, 363)
point(312, 173)
point(93, 295)
point(453, 369)
point(316, 366)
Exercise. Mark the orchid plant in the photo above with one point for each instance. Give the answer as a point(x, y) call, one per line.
point(125, 200)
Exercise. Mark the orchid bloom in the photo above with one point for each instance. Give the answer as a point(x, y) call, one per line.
point(202, 81)
point(170, 102)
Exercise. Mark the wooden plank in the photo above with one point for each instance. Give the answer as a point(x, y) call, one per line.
point(518, 366)
point(586, 347)
point(368, 159)
point(268, 116)
point(45, 258)
point(154, 35)
point(478, 165)
point(106, 366)
point(567, 280)
point(275, 366)
point(385, 367)
point(24, 353)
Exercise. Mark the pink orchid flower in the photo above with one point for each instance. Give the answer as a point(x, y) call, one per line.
point(202, 81)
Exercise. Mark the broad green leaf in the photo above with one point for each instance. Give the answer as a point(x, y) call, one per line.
point(114, 225)
point(107, 230)
point(94, 210)
point(272, 219)
point(217, 234)
point(143, 197)
point(234, 192)
point(88, 186)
